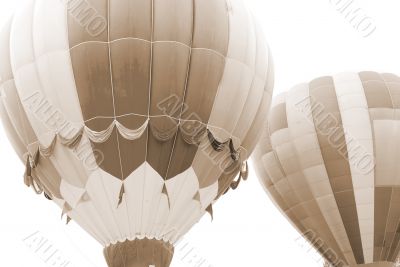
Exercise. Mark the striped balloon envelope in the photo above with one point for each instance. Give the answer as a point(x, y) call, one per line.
point(134, 116)
point(329, 160)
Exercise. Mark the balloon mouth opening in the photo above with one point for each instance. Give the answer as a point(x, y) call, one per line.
point(139, 253)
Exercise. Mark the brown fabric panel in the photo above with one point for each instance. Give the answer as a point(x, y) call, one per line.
point(131, 76)
point(211, 25)
point(395, 252)
point(158, 152)
point(130, 18)
point(206, 70)
point(382, 205)
point(278, 118)
point(323, 94)
point(170, 68)
point(87, 21)
point(139, 253)
point(130, 61)
point(111, 161)
point(341, 183)
point(182, 156)
point(393, 85)
point(393, 226)
point(133, 153)
point(376, 91)
point(5, 65)
point(173, 20)
point(90, 63)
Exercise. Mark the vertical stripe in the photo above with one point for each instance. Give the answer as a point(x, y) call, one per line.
point(333, 147)
point(357, 126)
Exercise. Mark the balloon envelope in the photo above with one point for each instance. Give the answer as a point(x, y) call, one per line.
point(329, 160)
point(134, 116)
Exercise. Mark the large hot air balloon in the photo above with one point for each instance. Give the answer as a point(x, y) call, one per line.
point(329, 160)
point(134, 116)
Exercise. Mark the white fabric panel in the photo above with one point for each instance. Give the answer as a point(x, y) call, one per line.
point(189, 224)
point(89, 228)
point(272, 167)
point(187, 220)
point(255, 96)
point(387, 146)
point(152, 188)
point(181, 189)
point(84, 213)
point(238, 73)
point(50, 38)
point(13, 106)
point(152, 217)
point(161, 216)
point(21, 44)
point(76, 215)
point(22, 61)
point(103, 209)
point(134, 186)
point(208, 194)
point(242, 42)
point(254, 99)
point(14, 138)
point(112, 188)
point(70, 193)
point(264, 61)
point(305, 140)
point(355, 116)
point(231, 97)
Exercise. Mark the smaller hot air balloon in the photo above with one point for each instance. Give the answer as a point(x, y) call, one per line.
point(329, 160)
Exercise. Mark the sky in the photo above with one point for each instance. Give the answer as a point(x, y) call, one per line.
point(308, 39)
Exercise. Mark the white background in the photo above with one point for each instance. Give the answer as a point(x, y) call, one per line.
point(308, 38)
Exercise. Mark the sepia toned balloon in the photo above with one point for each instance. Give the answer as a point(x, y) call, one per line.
point(328, 158)
point(134, 116)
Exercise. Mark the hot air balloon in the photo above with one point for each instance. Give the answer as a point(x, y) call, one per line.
point(134, 116)
point(328, 158)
